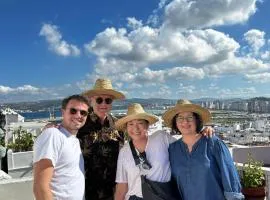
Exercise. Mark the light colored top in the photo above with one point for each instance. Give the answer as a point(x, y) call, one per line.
point(63, 149)
point(157, 155)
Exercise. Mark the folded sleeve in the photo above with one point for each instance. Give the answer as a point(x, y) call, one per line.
point(229, 175)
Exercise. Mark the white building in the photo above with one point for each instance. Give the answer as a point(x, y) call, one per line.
point(11, 116)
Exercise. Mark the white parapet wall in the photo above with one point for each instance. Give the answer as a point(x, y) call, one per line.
point(20, 164)
point(259, 153)
point(17, 189)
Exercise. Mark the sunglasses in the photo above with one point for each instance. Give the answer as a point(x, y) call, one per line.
point(99, 100)
point(74, 111)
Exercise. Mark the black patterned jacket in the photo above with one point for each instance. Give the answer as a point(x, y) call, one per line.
point(100, 147)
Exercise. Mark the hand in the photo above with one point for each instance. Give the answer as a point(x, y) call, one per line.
point(50, 125)
point(208, 131)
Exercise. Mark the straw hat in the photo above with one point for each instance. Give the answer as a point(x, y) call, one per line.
point(104, 86)
point(135, 111)
point(185, 106)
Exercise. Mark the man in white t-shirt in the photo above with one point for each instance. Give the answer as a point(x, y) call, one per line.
point(58, 160)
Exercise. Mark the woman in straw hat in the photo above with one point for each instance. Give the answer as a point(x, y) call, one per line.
point(152, 153)
point(202, 167)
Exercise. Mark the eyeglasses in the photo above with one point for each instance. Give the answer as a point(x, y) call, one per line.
point(182, 119)
point(74, 111)
point(99, 100)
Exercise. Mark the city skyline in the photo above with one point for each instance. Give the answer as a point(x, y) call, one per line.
point(164, 49)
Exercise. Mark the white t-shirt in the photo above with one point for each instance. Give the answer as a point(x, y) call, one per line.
point(63, 149)
point(157, 155)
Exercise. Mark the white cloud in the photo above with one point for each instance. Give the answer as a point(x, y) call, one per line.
point(31, 93)
point(110, 66)
point(134, 23)
point(56, 43)
point(237, 92)
point(119, 51)
point(135, 86)
point(110, 42)
point(190, 14)
point(148, 75)
point(255, 38)
point(235, 65)
point(5, 89)
point(186, 73)
point(27, 89)
point(151, 77)
point(184, 90)
point(213, 86)
point(163, 92)
point(170, 47)
point(22, 93)
point(258, 78)
point(266, 55)
point(154, 18)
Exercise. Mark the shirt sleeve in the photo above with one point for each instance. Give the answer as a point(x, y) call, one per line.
point(48, 146)
point(229, 174)
point(121, 174)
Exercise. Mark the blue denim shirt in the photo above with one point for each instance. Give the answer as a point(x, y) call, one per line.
point(207, 172)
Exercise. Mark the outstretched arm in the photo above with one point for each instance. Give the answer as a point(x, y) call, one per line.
point(43, 172)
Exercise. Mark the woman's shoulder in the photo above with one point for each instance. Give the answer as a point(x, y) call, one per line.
point(175, 144)
point(125, 148)
point(157, 134)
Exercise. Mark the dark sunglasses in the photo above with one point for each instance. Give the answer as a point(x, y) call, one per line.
point(99, 100)
point(74, 111)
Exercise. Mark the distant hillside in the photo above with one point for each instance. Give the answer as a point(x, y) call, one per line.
point(253, 105)
point(35, 105)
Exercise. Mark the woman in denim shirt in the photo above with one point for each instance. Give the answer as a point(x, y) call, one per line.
point(202, 167)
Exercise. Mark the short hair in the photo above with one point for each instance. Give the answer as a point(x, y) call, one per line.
point(198, 121)
point(76, 97)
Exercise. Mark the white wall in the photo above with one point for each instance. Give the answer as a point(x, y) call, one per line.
point(16, 189)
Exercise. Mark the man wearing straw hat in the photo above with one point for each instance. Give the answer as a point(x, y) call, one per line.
point(100, 142)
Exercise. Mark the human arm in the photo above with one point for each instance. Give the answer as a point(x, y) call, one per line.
point(121, 177)
point(47, 147)
point(120, 191)
point(229, 175)
point(43, 172)
point(51, 125)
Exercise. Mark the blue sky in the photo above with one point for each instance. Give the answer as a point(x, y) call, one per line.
point(165, 49)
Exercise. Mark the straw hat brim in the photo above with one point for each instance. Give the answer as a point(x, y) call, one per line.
point(170, 113)
point(121, 123)
point(94, 92)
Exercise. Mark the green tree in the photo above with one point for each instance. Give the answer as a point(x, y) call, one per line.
point(252, 173)
point(24, 140)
